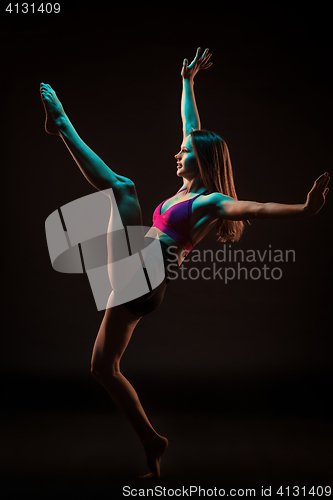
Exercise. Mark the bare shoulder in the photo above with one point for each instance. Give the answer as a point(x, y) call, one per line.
point(212, 202)
point(217, 198)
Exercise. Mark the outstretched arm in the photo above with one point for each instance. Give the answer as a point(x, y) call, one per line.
point(189, 110)
point(228, 208)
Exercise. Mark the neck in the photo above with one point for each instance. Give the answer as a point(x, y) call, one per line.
point(193, 185)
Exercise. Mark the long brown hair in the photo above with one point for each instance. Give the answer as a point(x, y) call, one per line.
point(215, 168)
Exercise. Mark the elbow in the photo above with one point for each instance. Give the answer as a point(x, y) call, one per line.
point(259, 211)
point(256, 211)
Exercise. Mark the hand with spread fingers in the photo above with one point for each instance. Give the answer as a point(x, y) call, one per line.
point(190, 70)
point(316, 197)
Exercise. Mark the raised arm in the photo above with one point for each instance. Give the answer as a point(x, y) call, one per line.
point(228, 208)
point(189, 110)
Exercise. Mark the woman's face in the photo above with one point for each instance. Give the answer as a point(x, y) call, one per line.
point(187, 165)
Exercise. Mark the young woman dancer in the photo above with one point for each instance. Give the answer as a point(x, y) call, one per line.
point(206, 200)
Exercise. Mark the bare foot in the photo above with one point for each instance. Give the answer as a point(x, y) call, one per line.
point(154, 451)
point(53, 109)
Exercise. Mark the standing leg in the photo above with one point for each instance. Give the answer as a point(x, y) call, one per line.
point(113, 337)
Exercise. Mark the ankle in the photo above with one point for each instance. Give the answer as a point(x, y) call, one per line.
point(61, 122)
point(151, 440)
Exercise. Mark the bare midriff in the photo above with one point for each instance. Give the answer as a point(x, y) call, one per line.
point(176, 247)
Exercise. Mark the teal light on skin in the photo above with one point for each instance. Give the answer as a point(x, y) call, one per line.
point(187, 165)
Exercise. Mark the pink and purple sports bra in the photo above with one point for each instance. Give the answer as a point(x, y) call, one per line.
point(176, 221)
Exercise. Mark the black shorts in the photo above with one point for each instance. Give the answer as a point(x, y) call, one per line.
point(148, 302)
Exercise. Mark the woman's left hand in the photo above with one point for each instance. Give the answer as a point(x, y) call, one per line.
point(316, 197)
point(189, 71)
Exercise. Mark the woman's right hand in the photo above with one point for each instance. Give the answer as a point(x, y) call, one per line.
point(316, 197)
point(189, 71)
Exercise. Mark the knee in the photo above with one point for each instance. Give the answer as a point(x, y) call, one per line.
point(103, 371)
point(95, 371)
point(129, 191)
point(126, 186)
point(125, 191)
point(130, 186)
point(96, 366)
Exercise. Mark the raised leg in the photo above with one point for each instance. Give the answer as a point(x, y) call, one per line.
point(93, 168)
point(113, 337)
